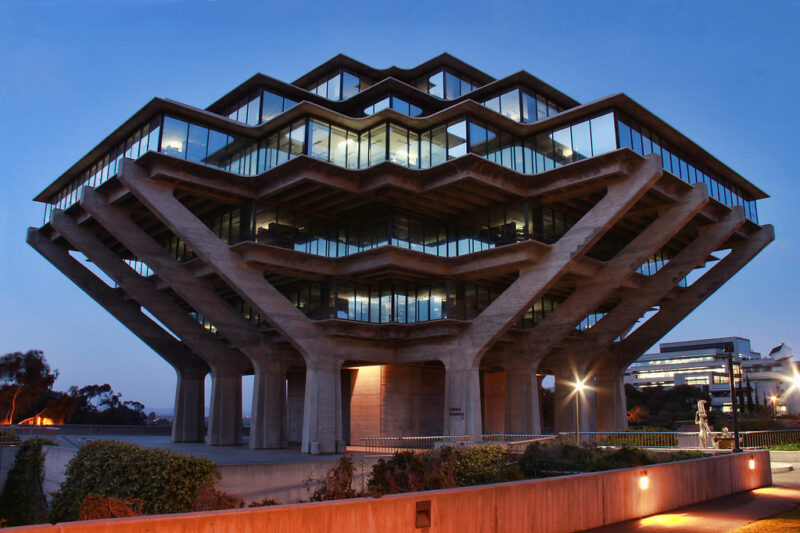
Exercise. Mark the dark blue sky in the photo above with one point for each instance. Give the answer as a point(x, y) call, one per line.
point(723, 73)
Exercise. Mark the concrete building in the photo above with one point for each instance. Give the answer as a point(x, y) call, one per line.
point(396, 251)
point(704, 363)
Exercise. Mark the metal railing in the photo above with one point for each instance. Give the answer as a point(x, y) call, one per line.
point(516, 443)
point(390, 445)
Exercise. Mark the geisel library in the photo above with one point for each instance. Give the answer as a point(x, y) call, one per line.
point(398, 251)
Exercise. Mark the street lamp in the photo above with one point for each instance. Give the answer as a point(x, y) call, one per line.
point(736, 448)
point(773, 398)
point(579, 384)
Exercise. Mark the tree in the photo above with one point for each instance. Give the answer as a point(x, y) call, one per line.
point(99, 404)
point(25, 378)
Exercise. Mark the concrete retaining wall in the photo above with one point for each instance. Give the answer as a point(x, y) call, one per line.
point(784, 457)
point(567, 503)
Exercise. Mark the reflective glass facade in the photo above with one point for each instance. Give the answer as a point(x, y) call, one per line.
point(393, 102)
point(521, 105)
point(446, 84)
point(260, 107)
point(340, 85)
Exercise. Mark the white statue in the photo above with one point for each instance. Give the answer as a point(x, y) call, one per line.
point(701, 419)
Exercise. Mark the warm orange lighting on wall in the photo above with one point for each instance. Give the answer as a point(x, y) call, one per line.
point(643, 481)
point(751, 463)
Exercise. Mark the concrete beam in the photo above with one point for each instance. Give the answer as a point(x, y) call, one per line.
point(223, 428)
point(265, 430)
point(188, 418)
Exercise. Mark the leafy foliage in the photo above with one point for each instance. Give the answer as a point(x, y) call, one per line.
point(97, 506)
point(788, 447)
point(166, 482)
point(99, 404)
point(8, 437)
point(210, 499)
point(25, 377)
point(557, 458)
point(663, 406)
point(22, 501)
point(338, 483)
point(444, 467)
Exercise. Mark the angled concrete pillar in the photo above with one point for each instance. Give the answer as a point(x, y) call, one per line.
point(523, 409)
point(188, 420)
point(322, 407)
point(462, 406)
point(268, 417)
point(225, 415)
point(226, 364)
point(611, 405)
point(187, 424)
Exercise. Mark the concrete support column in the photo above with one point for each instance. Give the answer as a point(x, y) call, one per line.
point(188, 418)
point(322, 408)
point(462, 406)
point(565, 400)
point(612, 412)
point(523, 409)
point(268, 417)
point(225, 415)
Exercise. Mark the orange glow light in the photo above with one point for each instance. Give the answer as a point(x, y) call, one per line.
point(643, 481)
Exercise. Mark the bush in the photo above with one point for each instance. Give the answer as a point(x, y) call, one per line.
point(22, 501)
point(338, 483)
point(442, 468)
point(787, 447)
point(96, 506)
point(558, 458)
point(166, 482)
point(210, 499)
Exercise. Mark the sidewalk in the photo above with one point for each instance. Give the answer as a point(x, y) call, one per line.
point(722, 515)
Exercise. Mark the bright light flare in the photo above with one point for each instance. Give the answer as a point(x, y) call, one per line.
point(579, 385)
point(751, 463)
point(644, 482)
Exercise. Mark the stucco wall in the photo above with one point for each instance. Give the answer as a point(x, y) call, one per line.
point(548, 505)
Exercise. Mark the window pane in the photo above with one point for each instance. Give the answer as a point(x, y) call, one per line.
point(563, 146)
point(581, 141)
point(253, 113)
point(603, 134)
point(400, 106)
point(298, 137)
point(436, 84)
point(438, 146)
point(624, 140)
point(383, 104)
point(398, 145)
point(319, 140)
point(457, 139)
point(493, 104)
point(173, 141)
point(350, 85)
point(271, 106)
point(528, 108)
point(509, 105)
point(377, 145)
point(334, 87)
point(477, 139)
point(414, 111)
point(338, 151)
point(198, 143)
point(452, 86)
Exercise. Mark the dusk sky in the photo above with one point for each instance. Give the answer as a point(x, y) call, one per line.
point(725, 73)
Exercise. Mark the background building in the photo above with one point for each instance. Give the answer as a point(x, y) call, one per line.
point(704, 363)
point(397, 251)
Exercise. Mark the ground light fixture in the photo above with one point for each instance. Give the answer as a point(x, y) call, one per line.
point(644, 481)
point(751, 463)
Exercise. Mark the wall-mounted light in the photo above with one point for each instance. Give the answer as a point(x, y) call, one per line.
point(643, 481)
point(751, 463)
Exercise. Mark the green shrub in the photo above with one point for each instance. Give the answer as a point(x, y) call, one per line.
point(22, 501)
point(442, 468)
point(787, 447)
point(166, 482)
point(338, 483)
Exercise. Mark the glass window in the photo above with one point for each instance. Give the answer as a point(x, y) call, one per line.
point(350, 85)
point(377, 145)
point(466, 87)
point(320, 136)
point(438, 145)
point(562, 144)
point(581, 141)
point(198, 143)
point(452, 86)
point(253, 112)
point(493, 104)
point(603, 134)
point(271, 106)
point(637, 141)
point(398, 145)
point(477, 139)
point(624, 135)
point(544, 151)
point(414, 111)
point(456, 139)
point(401, 106)
point(509, 105)
point(298, 137)
point(334, 88)
point(352, 150)
point(173, 141)
point(436, 84)
point(338, 146)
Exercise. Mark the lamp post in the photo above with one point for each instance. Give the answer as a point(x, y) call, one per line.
point(734, 406)
point(578, 391)
point(773, 398)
